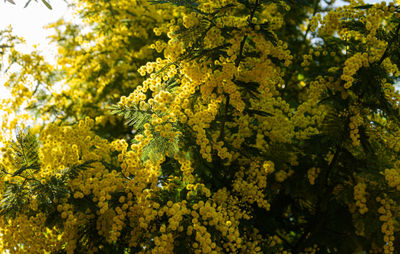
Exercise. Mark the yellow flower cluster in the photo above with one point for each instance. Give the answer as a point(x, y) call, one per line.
point(190, 20)
point(356, 120)
point(250, 182)
point(216, 86)
point(329, 23)
point(375, 16)
point(310, 115)
point(195, 221)
point(392, 176)
point(351, 66)
point(103, 59)
point(23, 84)
point(390, 92)
point(314, 22)
point(391, 140)
point(68, 146)
point(390, 67)
point(29, 235)
point(213, 38)
point(282, 175)
point(277, 127)
point(360, 197)
point(187, 170)
point(307, 59)
point(386, 217)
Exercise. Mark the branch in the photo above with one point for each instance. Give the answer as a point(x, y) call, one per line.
point(240, 56)
point(316, 4)
point(319, 220)
point(5, 172)
point(238, 60)
point(396, 36)
point(222, 130)
point(284, 239)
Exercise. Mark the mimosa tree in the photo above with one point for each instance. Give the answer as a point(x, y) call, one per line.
point(228, 126)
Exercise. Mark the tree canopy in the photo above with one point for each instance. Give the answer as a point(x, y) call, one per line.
point(205, 126)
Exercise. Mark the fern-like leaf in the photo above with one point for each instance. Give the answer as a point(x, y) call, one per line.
point(26, 151)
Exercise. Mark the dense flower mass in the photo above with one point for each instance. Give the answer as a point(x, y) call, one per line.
point(227, 126)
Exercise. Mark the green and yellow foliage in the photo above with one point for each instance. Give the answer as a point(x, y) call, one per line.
point(205, 126)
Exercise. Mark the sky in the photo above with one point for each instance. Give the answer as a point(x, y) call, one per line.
point(29, 22)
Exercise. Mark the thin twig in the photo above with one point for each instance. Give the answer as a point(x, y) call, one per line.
point(396, 36)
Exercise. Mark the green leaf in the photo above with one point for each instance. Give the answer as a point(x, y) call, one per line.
point(27, 3)
point(47, 4)
point(364, 7)
point(257, 112)
point(26, 149)
point(131, 13)
point(298, 3)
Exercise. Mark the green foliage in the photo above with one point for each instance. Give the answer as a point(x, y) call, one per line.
point(43, 1)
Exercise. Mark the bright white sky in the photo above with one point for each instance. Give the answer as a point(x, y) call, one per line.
point(28, 22)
